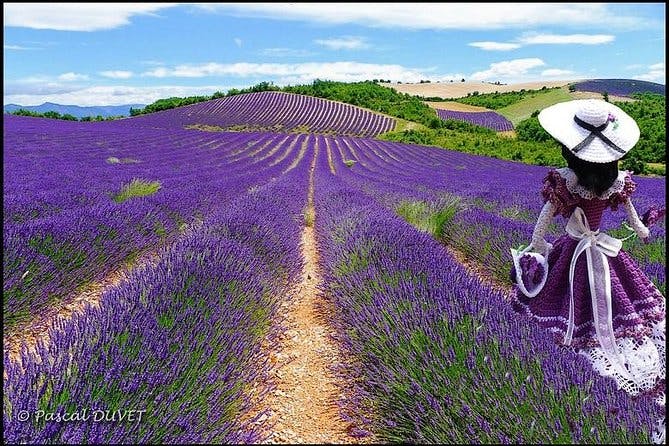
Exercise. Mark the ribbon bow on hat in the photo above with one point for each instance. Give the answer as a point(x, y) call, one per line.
point(594, 132)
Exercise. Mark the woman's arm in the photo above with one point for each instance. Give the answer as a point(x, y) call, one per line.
point(545, 217)
point(634, 220)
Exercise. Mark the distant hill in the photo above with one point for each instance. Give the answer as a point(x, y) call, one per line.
point(619, 87)
point(76, 110)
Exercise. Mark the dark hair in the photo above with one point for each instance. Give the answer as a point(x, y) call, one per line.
point(596, 177)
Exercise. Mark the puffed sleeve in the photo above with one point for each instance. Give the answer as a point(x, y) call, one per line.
point(618, 198)
point(554, 189)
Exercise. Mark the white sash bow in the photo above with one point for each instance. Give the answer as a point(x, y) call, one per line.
point(597, 247)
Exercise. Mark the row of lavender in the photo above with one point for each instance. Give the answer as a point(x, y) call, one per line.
point(62, 226)
point(494, 205)
point(489, 119)
point(441, 356)
point(273, 110)
point(171, 354)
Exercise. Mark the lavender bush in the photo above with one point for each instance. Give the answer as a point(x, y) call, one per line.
point(179, 340)
point(441, 356)
point(63, 228)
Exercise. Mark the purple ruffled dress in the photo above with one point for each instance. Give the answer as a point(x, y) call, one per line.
point(636, 303)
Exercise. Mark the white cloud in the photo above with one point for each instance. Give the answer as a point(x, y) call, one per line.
point(38, 85)
point(238, 42)
point(556, 72)
point(18, 47)
point(545, 39)
point(438, 15)
point(116, 74)
point(71, 77)
point(495, 46)
point(343, 43)
point(508, 70)
point(285, 52)
point(76, 16)
point(300, 72)
point(111, 95)
point(556, 39)
point(655, 73)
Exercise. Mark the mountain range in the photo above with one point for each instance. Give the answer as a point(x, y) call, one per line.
point(76, 110)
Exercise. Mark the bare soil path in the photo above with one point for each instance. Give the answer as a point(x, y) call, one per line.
point(37, 328)
point(303, 407)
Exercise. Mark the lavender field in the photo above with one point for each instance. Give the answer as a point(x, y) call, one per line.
point(435, 352)
point(620, 87)
point(488, 119)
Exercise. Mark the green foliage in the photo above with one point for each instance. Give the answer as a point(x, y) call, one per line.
point(137, 188)
point(498, 100)
point(633, 163)
point(369, 95)
point(482, 141)
point(173, 102)
point(649, 112)
point(48, 114)
point(531, 130)
point(65, 117)
point(427, 216)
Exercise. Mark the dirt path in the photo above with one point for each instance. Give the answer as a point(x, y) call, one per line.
point(38, 327)
point(30, 332)
point(303, 407)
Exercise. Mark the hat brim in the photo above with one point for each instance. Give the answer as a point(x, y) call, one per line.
point(558, 121)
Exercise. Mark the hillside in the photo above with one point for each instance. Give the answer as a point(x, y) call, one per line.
point(448, 90)
point(619, 87)
point(271, 111)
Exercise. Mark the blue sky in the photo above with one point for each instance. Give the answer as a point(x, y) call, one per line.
point(113, 54)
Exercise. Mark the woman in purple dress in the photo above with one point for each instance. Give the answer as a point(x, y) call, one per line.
point(593, 296)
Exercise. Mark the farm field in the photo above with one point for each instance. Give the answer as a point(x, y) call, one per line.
point(161, 263)
point(457, 89)
point(523, 109)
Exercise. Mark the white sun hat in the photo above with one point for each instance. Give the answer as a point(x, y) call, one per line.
point(594, 130)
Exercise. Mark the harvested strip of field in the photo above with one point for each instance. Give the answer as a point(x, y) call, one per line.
point(456, 89)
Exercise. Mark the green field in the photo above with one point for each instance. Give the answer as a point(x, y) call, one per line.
point(536, 101)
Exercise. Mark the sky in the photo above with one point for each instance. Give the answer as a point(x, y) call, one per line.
point(136, 53)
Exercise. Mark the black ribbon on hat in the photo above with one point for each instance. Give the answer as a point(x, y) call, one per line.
point(594, 132)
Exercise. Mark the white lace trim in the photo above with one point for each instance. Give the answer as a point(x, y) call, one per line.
point(572, 184)
point(644, 363)
point(545, 217)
